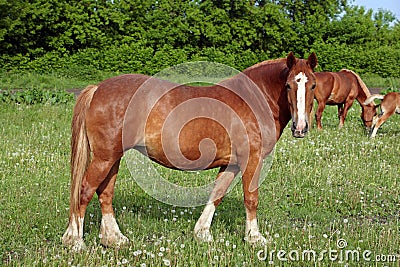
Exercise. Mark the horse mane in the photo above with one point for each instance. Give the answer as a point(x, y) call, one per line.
point(265, 62)
point(247, 71)
point(360, 82)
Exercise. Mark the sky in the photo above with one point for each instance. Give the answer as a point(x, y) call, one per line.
point(392, 5)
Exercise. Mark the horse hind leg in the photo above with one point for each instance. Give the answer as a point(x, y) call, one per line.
point(250, 181)
point(341, 115)
point(73, 236)
point(96, 173)
point(110, 233)
point(203, 224)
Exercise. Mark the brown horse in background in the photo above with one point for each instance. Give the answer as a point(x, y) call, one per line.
point(390, 105)
point(341, 89)
point(232, 125)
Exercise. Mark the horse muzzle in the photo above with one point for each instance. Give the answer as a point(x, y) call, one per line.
point(299, 132)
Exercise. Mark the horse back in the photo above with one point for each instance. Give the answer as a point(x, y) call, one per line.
point(391, 101)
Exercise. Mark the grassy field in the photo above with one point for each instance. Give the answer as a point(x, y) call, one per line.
point(335, 193)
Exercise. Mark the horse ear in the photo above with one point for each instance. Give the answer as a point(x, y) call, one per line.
point(312, 60)
point(291, 60)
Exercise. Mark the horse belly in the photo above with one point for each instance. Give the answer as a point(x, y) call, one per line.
point(337, 97)
point(199, 144)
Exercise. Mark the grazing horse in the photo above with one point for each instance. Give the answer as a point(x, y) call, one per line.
point(390, 104)
point(232, 125)
point(341, 88)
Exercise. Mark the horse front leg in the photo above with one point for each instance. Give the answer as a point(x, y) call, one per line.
point(250, 181)
point(110, 233)
point(318, 114)
point(381, 119)
point(203, 224)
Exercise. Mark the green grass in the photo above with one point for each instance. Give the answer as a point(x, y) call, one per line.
point(62, 79)
point(375, 81)
point(332, 185)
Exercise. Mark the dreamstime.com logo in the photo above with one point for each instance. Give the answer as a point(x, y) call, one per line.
point(164, 116)
point(340, 254)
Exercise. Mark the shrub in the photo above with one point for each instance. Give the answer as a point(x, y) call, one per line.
point(36, 96)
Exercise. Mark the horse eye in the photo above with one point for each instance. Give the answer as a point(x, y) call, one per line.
point(313, 86)
point(287, 86)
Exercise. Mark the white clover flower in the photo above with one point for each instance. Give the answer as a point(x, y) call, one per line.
point(137, 253)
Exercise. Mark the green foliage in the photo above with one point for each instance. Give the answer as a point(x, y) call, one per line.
point(36, 96)
point(361, 41)
point(145, 37)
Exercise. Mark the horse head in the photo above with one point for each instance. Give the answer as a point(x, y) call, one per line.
point(368, 113)
point(300, 86)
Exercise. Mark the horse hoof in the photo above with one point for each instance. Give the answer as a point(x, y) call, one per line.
point(257, 239)
point(115, 241)
point(79, 246)
point(76, 244)
point(204, 236)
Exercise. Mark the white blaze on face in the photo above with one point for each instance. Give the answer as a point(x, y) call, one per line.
point(301, 80)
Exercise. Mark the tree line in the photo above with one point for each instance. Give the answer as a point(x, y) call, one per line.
point(147, 36)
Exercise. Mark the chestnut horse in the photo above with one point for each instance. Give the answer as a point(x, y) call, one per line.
point(341, 88)
point(234, 125)
point(390, 105)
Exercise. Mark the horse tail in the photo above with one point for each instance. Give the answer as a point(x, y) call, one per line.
point(80, 149)
point(372, 98)
point(360, 82)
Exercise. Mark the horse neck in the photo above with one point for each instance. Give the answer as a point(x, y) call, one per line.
point(362, 95)
point(267, 73)
point(271, 78)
